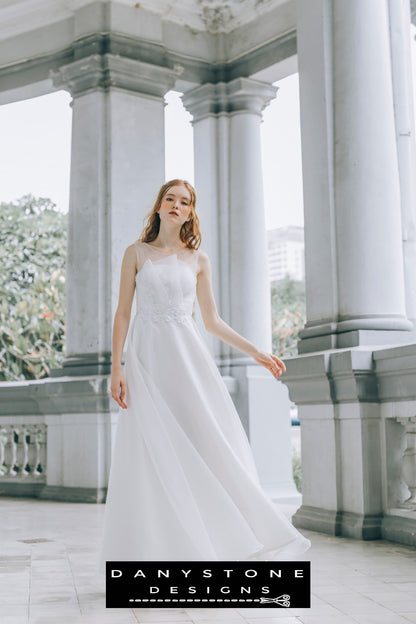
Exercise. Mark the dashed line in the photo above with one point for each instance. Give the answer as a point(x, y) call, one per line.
point(194, 600)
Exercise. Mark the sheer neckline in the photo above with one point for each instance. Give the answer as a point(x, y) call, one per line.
point(165, 251)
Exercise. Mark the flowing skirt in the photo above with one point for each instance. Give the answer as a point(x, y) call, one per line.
point(183, 484)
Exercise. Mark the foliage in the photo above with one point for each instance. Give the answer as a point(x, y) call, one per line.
point(288, 315)
point(297, 470)
point(32, 288)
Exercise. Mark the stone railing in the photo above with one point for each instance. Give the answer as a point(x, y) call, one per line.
point(398, 438)
point(357, 409)
point(23, 452)
point(55, 438)
point(408, 461)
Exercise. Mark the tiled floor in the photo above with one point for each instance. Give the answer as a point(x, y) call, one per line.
point(52, 581)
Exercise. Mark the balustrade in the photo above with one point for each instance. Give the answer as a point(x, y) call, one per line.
point(23, 452)
point(408, 461)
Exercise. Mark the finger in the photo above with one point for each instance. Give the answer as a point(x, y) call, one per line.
point(122, 395)
point(279, 371)
point(279, 362)
point(275, 369)
point(116, 398)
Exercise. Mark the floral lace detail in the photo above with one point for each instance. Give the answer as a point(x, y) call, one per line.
point(173, 313)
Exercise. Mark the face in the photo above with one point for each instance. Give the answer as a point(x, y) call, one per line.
point(176, 205)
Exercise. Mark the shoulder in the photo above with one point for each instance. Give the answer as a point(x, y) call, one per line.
point(202, 255)
point(132, 253)
point(132, 249)
point(202, 260)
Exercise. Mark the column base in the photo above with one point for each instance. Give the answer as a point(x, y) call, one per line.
point(340, 523)
point(311, 342)
point(82, 364)
point(54, 492)
point(25, 490)
point(315, 519)
point(399, 526)
point(74, 494)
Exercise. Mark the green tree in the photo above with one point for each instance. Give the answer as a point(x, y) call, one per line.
point(288, 302)
point(32, 288)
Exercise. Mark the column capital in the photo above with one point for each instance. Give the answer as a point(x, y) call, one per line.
point(413, 11)
point(241, 95)
point(104, 71)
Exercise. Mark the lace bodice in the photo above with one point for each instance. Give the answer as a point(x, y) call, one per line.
point(165, 283)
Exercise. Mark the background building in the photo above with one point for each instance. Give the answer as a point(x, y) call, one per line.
point(286, 253)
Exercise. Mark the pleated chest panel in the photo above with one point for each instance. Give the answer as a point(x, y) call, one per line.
point(165, 280)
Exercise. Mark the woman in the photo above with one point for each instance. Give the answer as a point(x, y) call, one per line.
point(183, 484)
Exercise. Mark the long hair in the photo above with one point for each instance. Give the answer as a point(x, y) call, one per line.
point(189, 233)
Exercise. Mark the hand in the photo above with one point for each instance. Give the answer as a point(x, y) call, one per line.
point(118, 386)
point(271, 362)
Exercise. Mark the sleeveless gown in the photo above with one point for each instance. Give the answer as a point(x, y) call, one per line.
point(183, 484)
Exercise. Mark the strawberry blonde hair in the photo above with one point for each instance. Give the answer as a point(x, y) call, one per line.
point(189, 234)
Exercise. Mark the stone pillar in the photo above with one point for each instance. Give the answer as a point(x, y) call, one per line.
point(211, 165)
point(354, 263)
point(228, 179)
point(353, 248)
point(117, 167)
point(228, 175)
point(337, 399)
point(399, 14)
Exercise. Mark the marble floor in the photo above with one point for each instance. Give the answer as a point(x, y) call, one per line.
point(47, 555)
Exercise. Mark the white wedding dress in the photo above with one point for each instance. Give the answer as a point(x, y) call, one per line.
point(183, 484)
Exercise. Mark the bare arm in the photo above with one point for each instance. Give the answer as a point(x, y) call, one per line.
point(121, 323)
point(219, 328)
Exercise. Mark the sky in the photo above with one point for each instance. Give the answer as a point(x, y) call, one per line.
point(36, 141)
point(36, 149)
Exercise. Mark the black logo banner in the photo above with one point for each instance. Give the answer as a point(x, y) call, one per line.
point(208, 584)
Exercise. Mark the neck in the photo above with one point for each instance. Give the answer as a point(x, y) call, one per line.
point(168, 237)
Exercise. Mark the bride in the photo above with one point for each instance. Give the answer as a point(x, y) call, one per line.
point(183, 484)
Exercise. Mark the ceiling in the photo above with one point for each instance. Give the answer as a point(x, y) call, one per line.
point(213, 16)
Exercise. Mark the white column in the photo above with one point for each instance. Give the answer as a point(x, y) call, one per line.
point(354, 260)
point(117, 167)
point(228, 179)
point(399, 13)
point(228, 174)
point(249, 282)
point(211, 165)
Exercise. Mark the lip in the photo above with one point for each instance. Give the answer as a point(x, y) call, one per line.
point(173, 212)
